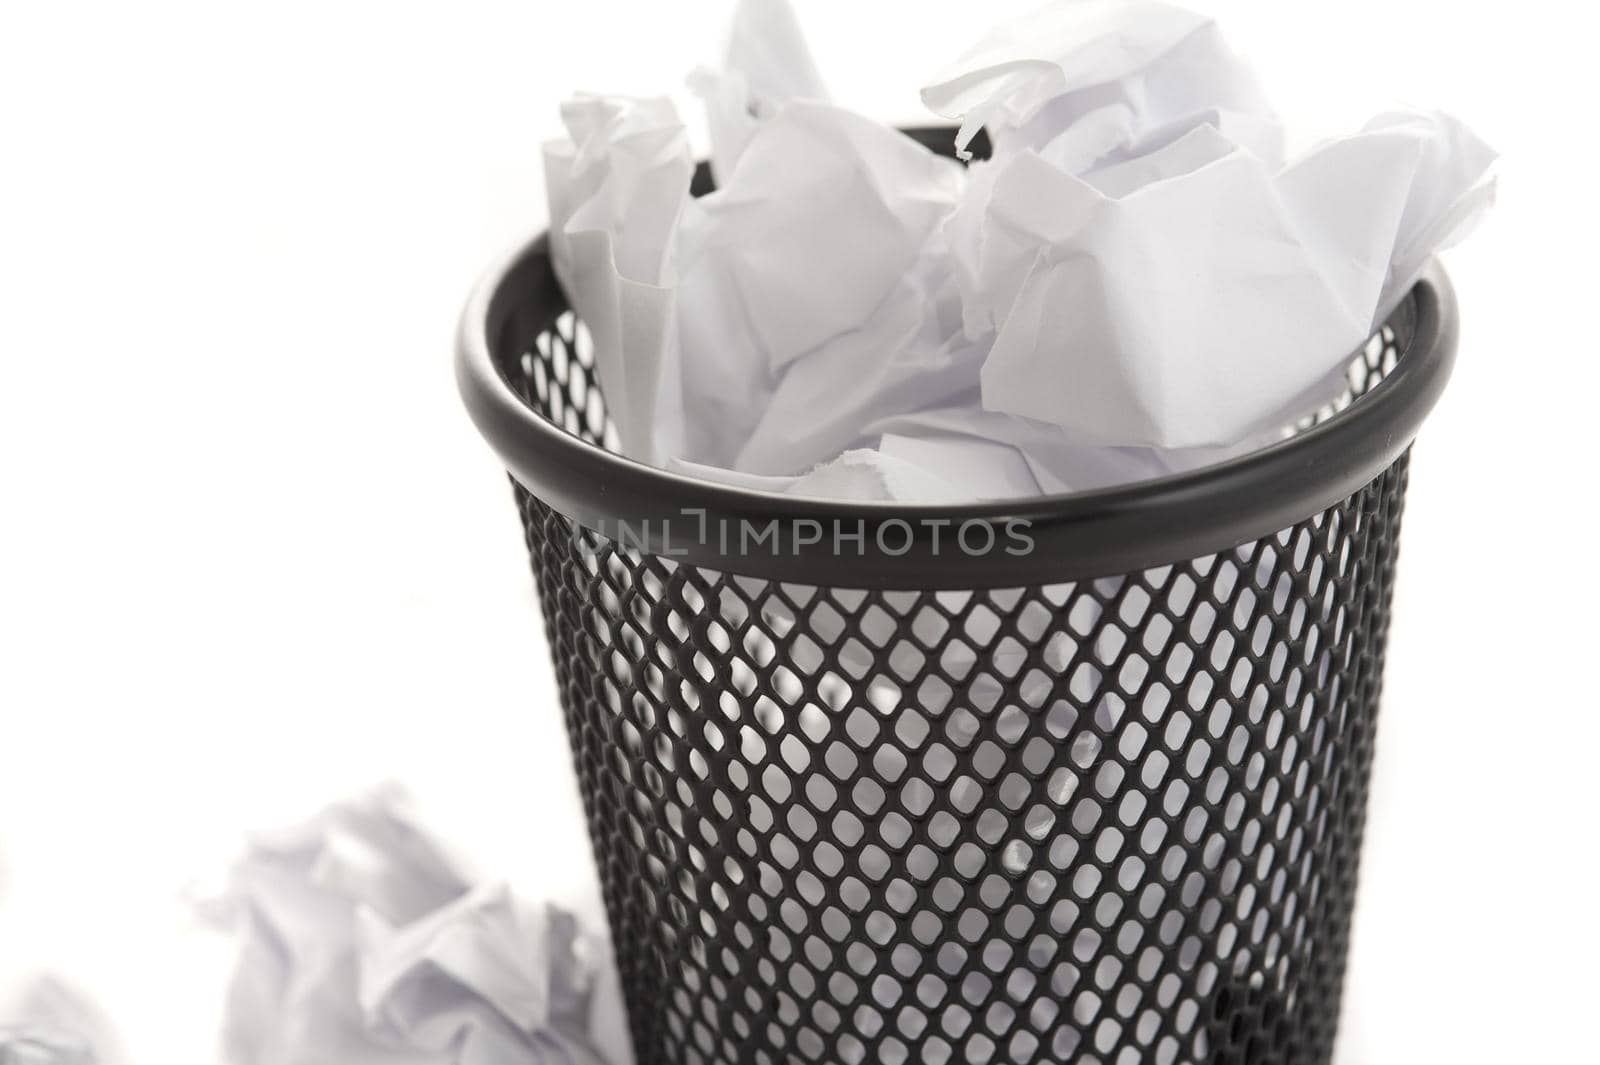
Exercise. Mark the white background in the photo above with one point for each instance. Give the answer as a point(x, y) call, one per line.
point(255, 558)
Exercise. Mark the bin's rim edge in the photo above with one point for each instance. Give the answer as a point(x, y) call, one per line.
point(1074, 536)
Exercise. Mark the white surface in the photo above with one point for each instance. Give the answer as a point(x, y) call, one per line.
point(255, 558)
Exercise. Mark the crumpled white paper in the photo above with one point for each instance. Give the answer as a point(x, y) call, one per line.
point(1155, 274)
point(363, 942)
point(47, 1022)
point(765, 65)
point(1091, 78)
point(1139, 282)
point(1084, 86)
point(757, 309)
point(615, 192)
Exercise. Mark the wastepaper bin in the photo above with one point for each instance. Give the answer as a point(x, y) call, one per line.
point(1068, 779)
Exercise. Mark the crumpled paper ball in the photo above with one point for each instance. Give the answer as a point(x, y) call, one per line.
point(47, 1022)
point(364, 942)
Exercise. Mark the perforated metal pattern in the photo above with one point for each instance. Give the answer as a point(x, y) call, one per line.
point(1115, 821)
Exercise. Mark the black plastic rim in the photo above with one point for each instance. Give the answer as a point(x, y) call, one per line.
point(895, 545)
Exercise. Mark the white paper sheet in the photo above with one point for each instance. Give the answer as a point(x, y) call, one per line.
point(766, 64)
point(615, 191)
point(910, 355)
point(1196, 297)
point(826, 213)
point(363, 942)
point(802, 256)
point(1056, 463)
point(918, 465)
point(1452, 189)
point(861, 476)
point(1090, 77)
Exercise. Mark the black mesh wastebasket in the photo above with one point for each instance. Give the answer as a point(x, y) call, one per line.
point(1074, 779)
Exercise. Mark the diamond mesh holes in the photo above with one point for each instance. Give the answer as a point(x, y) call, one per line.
point(1114, 821)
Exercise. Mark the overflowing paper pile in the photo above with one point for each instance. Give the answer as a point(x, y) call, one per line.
point(1138, 282)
